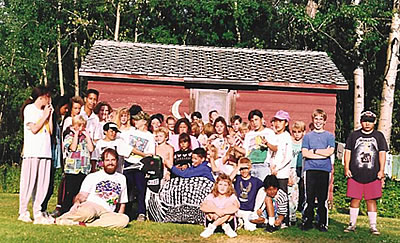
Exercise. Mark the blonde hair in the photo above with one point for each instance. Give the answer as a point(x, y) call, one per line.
point(162, 130)
point(245, 160)
point(78, 120)
point(121, 111)
point(214, 149)
point(319, 112)
point(195, 129)
point(223, 177)
point(244, 125)
point(299, 125)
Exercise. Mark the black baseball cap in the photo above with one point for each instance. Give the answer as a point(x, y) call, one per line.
point(111, 125)
point(368, 116)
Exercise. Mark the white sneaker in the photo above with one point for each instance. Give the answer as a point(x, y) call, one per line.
point(43, 218)
point(208, 231)
point(229, 231)
point(350, 228)
point(25, 217)
point(250, 226)
point(61, 221)
point(374, 230)
point(283, 226)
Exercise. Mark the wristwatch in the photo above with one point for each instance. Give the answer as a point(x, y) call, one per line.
point(314, 150)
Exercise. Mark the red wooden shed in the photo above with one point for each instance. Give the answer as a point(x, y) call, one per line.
point(231, 80)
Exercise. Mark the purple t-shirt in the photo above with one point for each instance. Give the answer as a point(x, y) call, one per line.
point(246, 191)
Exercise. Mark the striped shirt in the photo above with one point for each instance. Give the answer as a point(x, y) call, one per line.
point(281, 202)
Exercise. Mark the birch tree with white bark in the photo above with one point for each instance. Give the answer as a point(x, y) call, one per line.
point(389, 82)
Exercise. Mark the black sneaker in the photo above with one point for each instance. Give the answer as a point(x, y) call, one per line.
point(323, 228)
point(305, 226)
point(271, 228)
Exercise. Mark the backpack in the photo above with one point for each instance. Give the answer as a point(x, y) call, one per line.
point(153, 170)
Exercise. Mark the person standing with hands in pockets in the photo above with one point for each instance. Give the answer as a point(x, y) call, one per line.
point(364, 164)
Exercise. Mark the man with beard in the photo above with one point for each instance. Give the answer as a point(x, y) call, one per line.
point(100, 195)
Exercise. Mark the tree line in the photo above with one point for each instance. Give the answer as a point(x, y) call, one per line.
point(45, 41)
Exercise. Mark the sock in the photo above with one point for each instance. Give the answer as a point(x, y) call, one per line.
point(353, 215)
point(271, 221)
point(372, 219)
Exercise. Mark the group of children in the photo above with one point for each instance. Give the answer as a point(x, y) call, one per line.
point(262, 175)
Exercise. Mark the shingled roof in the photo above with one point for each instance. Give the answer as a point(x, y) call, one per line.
point(212, 65)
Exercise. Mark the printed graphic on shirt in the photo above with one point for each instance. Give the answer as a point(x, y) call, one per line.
point(258, 151)
point(244, 192)
point(45, 128)
point(139, 143)
point(366, 150)
point(109, 191)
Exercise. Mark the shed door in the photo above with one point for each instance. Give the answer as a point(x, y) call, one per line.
point(206, 100)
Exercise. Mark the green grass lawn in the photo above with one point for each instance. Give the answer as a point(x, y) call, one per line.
point(12, 230)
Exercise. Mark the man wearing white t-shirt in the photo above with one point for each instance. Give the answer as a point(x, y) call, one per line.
point(260, 144)
point(92, 120)
point(101, 193)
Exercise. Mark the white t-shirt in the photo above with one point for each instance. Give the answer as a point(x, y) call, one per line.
point(142, 141)
point(254, 148)
point(283, 157)
point(105, 190)
point(124, 134)
point(36, 145)
point(122, 148)
point(92, 125)
point(67, 123)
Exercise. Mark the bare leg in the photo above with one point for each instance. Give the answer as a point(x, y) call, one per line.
point(355, 203)
point(222, 220)
point(371, 205)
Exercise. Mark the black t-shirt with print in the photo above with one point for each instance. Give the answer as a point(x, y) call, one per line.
point(365, 148)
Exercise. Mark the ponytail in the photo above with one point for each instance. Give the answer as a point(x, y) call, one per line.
point(36, 93)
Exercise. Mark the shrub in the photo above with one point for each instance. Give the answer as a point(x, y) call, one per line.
point(387, 205)
point(10, 175)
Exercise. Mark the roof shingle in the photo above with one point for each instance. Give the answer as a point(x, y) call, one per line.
point(218, 65)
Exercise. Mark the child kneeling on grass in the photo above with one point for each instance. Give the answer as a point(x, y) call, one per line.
point(276, 205)
point(220, 207)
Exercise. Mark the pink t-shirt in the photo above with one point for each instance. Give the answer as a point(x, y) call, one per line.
point(222, 202)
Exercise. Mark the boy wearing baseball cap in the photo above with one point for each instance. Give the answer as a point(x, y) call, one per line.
point(364, 164)
point(110, 140)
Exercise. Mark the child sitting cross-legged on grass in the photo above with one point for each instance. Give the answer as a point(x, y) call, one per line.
point(220, 207)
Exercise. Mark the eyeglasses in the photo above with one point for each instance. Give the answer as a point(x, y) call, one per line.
point(244, 168)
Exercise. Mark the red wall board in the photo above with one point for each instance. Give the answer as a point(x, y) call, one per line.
point(152, 98)
point(300, 105)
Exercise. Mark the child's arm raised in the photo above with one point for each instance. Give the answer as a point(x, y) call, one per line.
point(88, 140)
point(235, 171)
point(35, 127)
